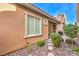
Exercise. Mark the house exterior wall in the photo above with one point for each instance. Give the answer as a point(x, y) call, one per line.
point(12, 29)
point(60, 26)
point(51, 27)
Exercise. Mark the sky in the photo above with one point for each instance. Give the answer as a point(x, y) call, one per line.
point(69, 9)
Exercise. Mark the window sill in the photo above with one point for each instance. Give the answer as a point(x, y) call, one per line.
point(32, 36)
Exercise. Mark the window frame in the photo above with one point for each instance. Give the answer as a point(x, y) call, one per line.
point(32, 35)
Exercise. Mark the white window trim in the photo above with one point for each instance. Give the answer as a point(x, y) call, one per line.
point(26, 36)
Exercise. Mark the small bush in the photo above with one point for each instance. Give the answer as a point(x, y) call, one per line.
point(29, 48)
point(56, 39)
point(76, 49)
point(69, 41)
point(40, 43)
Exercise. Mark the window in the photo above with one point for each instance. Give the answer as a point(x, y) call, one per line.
point(33, 26)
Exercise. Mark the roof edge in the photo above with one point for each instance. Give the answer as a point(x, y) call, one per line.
point(32, 7)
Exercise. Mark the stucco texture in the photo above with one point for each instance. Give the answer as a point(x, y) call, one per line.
point(12, 28)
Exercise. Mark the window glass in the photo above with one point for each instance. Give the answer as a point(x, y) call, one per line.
point(33, 25)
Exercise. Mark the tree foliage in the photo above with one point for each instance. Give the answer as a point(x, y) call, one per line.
point(71, 30)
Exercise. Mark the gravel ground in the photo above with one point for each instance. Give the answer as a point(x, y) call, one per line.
point(44, 51)
point(65, 50)
point(36, 51)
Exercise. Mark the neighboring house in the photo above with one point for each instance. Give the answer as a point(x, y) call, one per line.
point(23, 22)
point(62, 19)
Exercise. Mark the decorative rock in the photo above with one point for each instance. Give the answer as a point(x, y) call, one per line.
point(50, 44)
point(50, 54)
point(47, 50)
point(49, 41)
point(77, 41)
point(50, 48)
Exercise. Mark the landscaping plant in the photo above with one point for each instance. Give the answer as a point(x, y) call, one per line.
point(71, 31)
point(56, 40)
point(76, 49)
point(69, 41)
point(40, 43)
point(28, 46)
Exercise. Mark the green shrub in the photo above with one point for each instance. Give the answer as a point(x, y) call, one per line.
point(76, 49)
point(40, 43)
point(56, 39)
point(71, 30)
point(69, 41)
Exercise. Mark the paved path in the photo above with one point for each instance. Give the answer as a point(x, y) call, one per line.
point(50, 48)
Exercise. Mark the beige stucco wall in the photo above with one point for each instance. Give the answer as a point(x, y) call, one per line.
point(59, 27)
point(62, 23)
point(12, 28)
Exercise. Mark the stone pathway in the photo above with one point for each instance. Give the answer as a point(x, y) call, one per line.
point(50, 48)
